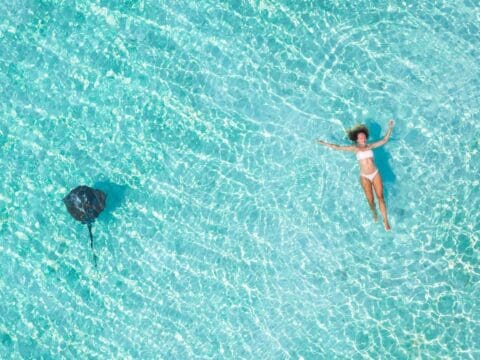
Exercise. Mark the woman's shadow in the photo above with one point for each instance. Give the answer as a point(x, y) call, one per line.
point(382, 158)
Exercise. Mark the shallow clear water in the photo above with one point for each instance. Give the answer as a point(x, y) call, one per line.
point(228, 232)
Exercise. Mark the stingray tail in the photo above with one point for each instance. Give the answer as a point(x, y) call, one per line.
point(91, 243)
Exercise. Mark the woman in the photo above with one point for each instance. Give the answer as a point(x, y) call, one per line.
point(369, 176)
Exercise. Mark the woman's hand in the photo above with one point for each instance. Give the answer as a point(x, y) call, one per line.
point(391, 123)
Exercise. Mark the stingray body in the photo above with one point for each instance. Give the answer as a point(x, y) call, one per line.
point(85, 204)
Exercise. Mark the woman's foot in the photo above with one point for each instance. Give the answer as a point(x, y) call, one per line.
point(387, 225)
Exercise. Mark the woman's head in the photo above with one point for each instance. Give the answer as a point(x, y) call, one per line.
point(358, 134)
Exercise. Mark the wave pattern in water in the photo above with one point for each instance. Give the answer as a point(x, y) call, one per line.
point(229, 233)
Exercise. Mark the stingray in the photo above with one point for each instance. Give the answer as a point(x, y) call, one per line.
point(85, 204)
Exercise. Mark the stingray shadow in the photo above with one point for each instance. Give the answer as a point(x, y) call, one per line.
point(115, 196)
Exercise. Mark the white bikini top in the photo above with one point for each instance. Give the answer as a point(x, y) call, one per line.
point(364, 154)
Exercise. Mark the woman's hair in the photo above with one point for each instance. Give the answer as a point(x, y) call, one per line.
point(353, 132)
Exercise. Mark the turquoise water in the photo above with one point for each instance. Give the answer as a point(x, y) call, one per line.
point(229, 234)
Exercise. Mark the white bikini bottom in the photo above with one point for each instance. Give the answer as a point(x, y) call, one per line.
point(370, 176)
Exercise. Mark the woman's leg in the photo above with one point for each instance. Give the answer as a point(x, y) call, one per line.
point(378, 186)
point(367, 188)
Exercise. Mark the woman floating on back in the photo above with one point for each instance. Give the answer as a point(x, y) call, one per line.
point(369, 175)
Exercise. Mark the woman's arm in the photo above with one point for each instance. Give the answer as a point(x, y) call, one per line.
point(337, 147)
point(385, 138)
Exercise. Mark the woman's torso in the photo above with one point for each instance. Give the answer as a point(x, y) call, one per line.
point(365, 160)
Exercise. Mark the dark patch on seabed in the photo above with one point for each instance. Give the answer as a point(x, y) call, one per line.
point(6, 339)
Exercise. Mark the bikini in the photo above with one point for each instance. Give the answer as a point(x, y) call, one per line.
point(364, 155)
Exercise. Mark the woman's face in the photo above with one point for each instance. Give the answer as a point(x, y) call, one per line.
point(361, 138)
